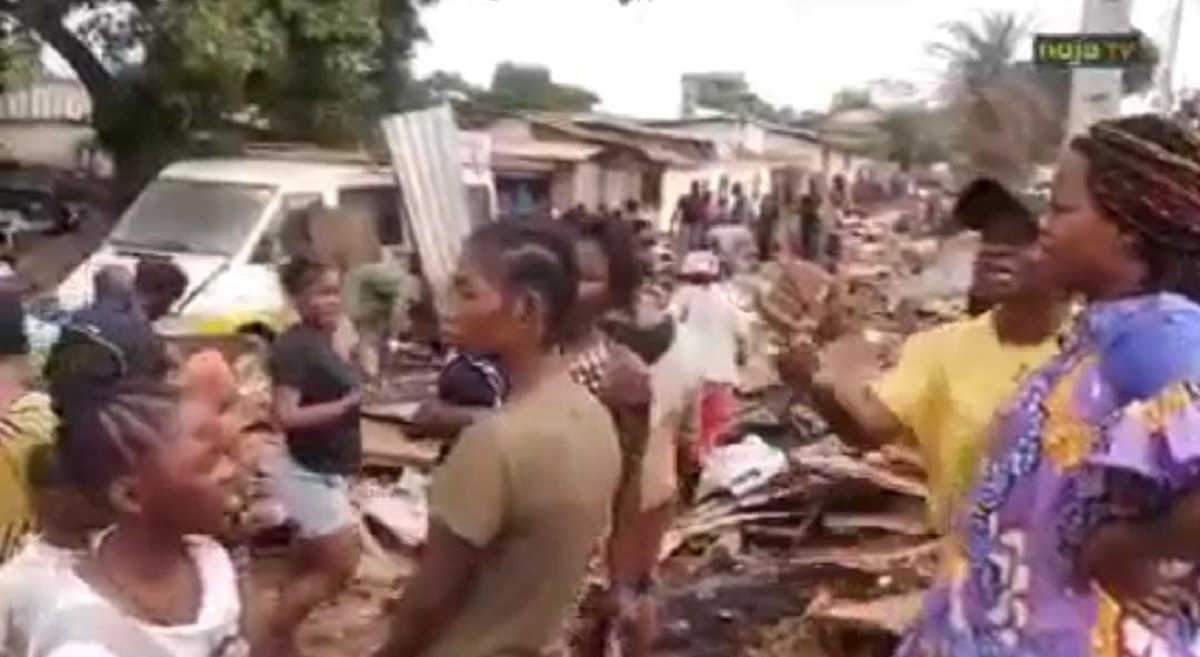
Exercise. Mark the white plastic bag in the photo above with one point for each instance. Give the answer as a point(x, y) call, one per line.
point(741, 467)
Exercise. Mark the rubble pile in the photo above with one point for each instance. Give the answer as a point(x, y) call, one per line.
point(794, 545)
point(833, 555)
point(837, 539)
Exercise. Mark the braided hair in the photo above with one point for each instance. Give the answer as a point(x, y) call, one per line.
point(105, 430)
point(1144, 175)
point(615, 238)
point(534, 257)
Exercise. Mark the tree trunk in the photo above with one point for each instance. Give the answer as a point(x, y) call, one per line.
point(107, 92)
point(400, 29)
point(46, 19)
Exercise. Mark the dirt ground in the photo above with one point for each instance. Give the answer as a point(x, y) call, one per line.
point(731, 615)
point(44, 261)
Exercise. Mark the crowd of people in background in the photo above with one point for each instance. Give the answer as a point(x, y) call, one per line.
point(577, 400)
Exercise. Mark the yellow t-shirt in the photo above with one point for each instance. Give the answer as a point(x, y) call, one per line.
point(26, 423)
point(533, 487)
point(946, 389)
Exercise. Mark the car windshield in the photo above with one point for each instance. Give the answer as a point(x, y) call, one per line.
point(191, 216)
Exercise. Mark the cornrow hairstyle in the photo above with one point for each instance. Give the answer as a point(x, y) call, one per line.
point(534, 257)
point(104, 430)
point(616, 240)
point(301, 272)
point(99, 352)
point(1144, 175)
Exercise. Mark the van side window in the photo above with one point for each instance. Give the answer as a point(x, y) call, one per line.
point(288, 233)
point(380, 202)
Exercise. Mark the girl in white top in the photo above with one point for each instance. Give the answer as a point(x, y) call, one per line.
point(29, 581)
point(155, 584)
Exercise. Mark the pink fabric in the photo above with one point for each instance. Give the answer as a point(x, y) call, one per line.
point(717, 407)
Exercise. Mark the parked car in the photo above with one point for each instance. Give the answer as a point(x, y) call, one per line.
point(35, 209)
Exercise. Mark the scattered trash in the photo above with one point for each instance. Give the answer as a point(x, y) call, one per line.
point(740, 468)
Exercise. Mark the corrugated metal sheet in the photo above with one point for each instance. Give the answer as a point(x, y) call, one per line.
point(426, 153)
point(57, 101)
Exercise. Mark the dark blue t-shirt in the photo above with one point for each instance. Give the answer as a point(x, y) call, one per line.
point(304, 359)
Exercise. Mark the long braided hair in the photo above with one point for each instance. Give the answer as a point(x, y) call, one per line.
point(1144, 174)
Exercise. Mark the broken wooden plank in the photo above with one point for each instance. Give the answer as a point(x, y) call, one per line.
point(869, 559)
point(385, 445)
point(892, 614)
point(899, 522)
point(401, 412)
point(838, 466)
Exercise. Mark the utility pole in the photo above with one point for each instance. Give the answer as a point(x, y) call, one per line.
point(1165, 101)
point(1096, 92)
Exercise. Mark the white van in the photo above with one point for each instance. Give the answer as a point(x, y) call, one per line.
point(221, 219)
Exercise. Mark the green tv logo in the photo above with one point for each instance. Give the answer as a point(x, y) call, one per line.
point(1088, 50)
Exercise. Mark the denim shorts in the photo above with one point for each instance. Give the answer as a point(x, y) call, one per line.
point(318, 503)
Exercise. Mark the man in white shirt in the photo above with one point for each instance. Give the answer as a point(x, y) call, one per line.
point(706, 309)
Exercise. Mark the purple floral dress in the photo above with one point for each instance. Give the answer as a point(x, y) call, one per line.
point(1117, 410)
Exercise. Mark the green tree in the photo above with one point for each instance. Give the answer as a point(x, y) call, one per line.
point(912, 136)
point(514, 88)
point(850, 99)
point(731, 94)
point(1004, 121)
point(980, 53)
point(19, 52)
point(529, 87)
point(171, 76)
point(1009, 113)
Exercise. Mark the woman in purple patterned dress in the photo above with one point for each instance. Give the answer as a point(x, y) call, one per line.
point(1084, 526)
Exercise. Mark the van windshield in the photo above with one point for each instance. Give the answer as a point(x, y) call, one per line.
point(190, 216)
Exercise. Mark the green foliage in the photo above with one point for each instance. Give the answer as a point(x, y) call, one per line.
point(848, 99)
point(978, 53)
point(1009, 113)
point(171, 77)
point(514, 88)
point(733, 95)
point(914, 136)
point(526, 87)
point(19, 52)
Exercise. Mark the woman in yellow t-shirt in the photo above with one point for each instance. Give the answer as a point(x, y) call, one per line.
point(25, 422)
point(950, 380)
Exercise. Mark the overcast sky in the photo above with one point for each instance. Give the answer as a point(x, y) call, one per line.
point(794, 52)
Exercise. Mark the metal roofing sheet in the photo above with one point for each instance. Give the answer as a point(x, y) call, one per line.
point(425, 150)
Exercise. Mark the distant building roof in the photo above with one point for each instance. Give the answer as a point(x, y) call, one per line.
point(665, 147)
point(49, 100)
point(779, 128)
point(545, 150)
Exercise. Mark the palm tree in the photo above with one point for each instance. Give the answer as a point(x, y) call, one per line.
point(1005, 121)
point(982, 53)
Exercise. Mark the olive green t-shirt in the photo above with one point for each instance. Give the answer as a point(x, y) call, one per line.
point(533, 487)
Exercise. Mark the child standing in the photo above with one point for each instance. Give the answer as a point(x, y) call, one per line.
point(705, 308)
point(155, 583)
